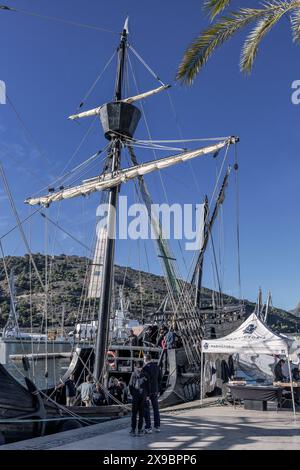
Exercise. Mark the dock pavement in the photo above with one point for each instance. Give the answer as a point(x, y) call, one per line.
point(185, 427)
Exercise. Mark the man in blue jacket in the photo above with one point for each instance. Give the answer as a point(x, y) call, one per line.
point(153, 373)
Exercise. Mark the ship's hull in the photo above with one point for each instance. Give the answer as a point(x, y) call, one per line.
point(21, 411)
point(26, 413)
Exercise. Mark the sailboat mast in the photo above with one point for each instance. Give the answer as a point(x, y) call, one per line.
point(108, 263)
point(210, 224)
point(200, 268)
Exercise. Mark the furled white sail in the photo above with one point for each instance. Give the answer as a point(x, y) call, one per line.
point(141, 96)
point(110, 180)
point(95, 283)
point(90, 112)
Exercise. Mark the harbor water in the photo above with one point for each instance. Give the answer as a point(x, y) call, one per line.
point(44, 373)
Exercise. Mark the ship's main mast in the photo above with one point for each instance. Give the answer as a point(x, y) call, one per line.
point(117, 118)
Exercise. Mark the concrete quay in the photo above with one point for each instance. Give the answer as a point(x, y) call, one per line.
point(186, 428)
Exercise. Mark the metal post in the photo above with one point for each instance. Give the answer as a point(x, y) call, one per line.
point(201, 377)
point(292, 388)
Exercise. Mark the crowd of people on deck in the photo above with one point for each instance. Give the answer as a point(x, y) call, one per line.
point(165, 337)
point(90, 393)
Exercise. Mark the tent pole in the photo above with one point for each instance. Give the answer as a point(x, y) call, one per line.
point(201, 379)
point(292, 388)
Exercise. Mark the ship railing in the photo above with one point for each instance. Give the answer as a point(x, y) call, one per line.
point(115, 347)
point(137, 354)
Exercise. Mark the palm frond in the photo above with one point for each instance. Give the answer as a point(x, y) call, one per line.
point(215, 7)
point(198, 53)
point(295, 21)
point(253, 40)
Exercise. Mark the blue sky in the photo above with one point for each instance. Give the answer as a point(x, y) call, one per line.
point(48, 67)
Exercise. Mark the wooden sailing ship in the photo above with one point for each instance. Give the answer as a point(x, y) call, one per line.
point(26, 411)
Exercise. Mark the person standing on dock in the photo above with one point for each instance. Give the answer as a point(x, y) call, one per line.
point(153, 373)
point(70, 391)
point(86, 390)
point(139, 389)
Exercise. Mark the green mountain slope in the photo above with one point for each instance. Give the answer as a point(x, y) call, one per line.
point(66, 274)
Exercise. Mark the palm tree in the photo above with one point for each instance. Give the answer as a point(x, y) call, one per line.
point(262, 20)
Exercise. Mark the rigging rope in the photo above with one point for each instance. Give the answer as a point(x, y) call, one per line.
point(21, 222)
point(27, 130)
point(10, 293)
point(146, 65)
point(79, 145)
point(96, 81)
point(20, 164)
point(155, 157)
point(46, 301)
point(195, 256)
point(181, 137)
point(46, 217)
point(30, 300)
point(67, 176)
point(54, 18)
point(12, 204)
point(181, 303)
point(237, 220)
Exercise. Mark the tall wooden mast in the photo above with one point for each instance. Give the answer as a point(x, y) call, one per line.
point(108, 262)
point(197, 275)
point(201, 255)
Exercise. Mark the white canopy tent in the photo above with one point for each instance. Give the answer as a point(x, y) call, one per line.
point(251, 337)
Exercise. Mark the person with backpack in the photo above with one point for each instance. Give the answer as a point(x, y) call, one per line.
point(139, 390)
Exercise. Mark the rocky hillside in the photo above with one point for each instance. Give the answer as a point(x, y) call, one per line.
point(143, 291)
point(296, 311)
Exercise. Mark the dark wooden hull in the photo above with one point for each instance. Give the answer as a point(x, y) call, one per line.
point(21, 411)
point(25, 413)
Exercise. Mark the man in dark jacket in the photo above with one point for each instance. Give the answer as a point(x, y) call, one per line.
point(70, 386)
point(98, 397)
point(132, 339)
point(153, 373)
point(139, 389)
point(279, 376)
